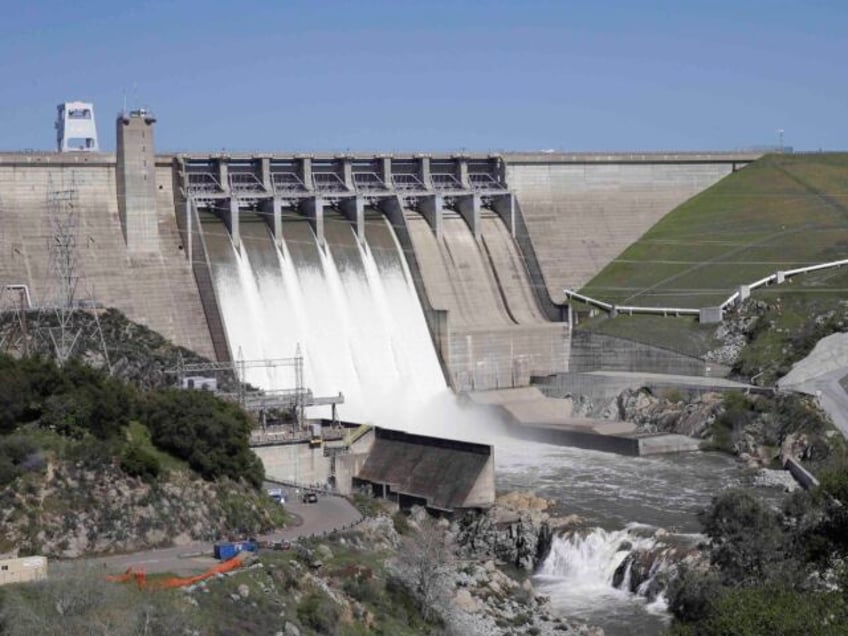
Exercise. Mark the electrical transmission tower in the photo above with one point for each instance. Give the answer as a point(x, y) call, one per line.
point(62, 208)
point(66, 275)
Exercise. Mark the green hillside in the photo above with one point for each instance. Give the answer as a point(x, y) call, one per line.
point(779, 213)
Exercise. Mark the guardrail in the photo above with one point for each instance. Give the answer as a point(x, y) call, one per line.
point(781, 276)
point(737, 296)
point(632, 309)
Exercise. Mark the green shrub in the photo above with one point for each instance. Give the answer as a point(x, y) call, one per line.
point(401, 523)
point(210, 434)
point(362, 590)
point(775, 609)
point(319, 612)
point(18, 455)
point(137, 461)
point(93, 453)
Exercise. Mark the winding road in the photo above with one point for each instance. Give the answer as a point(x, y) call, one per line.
point(327, 514)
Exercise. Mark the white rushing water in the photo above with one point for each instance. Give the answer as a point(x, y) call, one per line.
point(578, 576)
point(358, 325)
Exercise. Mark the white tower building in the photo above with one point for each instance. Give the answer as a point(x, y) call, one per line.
point(75, 127)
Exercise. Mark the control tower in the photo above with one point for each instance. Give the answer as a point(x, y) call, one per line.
point(75, 127)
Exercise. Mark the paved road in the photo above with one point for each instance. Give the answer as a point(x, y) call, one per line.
point(819, 374)
point(327, 514)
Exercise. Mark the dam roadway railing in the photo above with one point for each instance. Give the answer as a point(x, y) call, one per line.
point(715, 313)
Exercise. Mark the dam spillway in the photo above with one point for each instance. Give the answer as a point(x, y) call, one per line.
point(349, 307)
point(449, 222)
point(242, 252)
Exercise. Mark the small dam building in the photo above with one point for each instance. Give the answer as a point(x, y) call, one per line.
point(445, 476)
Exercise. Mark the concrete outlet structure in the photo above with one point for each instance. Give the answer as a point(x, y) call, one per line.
point(490, 240)
point(136, 179)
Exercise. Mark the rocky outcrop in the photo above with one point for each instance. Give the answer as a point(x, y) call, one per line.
point(486, 601)
point(647, 572)
point(732, 333)
point(104, 340)
point(652, 413)
point(72, 510)
point(517, 530)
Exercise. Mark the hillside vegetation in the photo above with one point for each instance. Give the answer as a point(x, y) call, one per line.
point(779, 213)
point(770, 571)
point(93, 463)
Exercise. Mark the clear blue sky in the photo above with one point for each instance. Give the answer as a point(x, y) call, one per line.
point(398, 75)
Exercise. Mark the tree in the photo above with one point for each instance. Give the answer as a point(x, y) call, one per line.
point(210, 434)
point(747, 539)
point(423, 560)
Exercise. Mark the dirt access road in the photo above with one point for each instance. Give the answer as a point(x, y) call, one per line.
point(327, 514)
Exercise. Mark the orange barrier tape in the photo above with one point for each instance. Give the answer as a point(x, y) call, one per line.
point(175, 581)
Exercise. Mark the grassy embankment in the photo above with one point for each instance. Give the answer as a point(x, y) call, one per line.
point(779, 213)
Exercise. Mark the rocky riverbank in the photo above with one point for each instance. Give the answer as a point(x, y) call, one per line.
point(514, 535)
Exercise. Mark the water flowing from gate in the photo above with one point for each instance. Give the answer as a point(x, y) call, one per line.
point(350, 307)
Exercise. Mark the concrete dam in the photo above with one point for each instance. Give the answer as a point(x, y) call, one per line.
point(395, 277)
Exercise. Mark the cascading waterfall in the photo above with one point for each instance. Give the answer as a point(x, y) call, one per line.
point(609, 569)
point(354, 314)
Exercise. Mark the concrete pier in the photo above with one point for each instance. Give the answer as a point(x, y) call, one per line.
point(136, 181)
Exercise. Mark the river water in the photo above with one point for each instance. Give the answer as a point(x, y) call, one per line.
point(621, 499)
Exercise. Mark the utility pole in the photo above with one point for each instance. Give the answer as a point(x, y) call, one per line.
point(298, 373)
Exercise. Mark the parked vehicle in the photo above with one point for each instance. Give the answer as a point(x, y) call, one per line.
point(277, 495)
point(228, 549)
point(310, 497)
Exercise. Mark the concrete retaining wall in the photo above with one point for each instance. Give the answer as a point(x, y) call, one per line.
point(156, 289)
point(600, 352)
point(805, 478)
point(501, 357)
point(298, 463)
point(583, 212)
point(577, 439)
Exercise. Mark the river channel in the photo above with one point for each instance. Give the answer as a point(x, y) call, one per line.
point(621, 499)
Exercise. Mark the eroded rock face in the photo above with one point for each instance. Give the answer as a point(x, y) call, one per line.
point(647, 571)
point(733, 332)
point(73, 511)
point(516, 530)
point(657, 414)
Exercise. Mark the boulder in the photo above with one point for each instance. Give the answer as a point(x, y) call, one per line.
point(464, 601)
